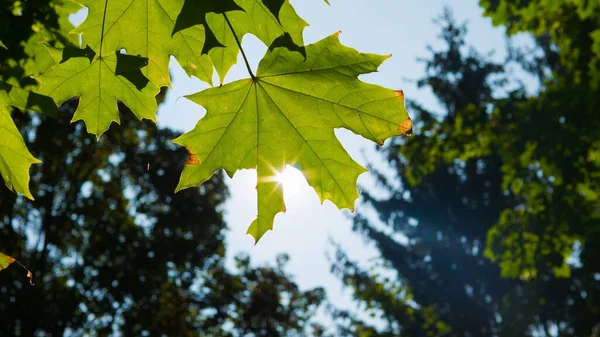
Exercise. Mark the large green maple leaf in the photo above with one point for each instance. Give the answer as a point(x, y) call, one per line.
point(286, 115)
point(145, 28)
point(99, 80)
point(15, 158)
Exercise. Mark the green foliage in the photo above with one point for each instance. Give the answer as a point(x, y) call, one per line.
point(573, 26)
point(15, 159)
point(17, 63)
point(286, 116)
point(390, 299)
point(124, 57)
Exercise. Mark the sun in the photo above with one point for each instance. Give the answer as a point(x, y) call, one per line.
point(292, 180)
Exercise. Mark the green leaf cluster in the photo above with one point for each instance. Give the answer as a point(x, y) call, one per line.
point(285, 114)
point(572, 26)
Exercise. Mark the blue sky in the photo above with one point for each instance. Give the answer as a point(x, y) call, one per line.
point(400, 27)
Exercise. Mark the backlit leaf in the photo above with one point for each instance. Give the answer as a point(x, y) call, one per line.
point(287, 116)
point(99, 81)
point(15, 158)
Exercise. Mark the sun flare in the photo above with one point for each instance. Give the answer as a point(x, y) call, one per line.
point(292, 180)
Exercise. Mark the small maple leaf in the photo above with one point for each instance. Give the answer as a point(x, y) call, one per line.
point(99, 81)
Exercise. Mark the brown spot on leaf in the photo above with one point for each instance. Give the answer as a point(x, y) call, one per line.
point(405, 127)
point(400, 93)
point(192, 159)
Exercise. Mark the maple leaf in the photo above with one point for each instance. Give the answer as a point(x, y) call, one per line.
point(99, 80)
point(286, 115)
point(268, 20)
point(15, 158)
point(145, 27)
point(5, 261)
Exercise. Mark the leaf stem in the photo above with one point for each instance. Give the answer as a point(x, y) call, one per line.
point(29, 273)
point(239, 45)
point(102, 33)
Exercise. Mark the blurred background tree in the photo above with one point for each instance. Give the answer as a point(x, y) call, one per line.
point(113, 250)
point(491, 223)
